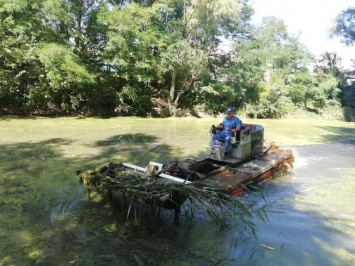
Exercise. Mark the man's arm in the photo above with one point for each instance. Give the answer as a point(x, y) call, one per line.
point(237, 125)
point(221, 126)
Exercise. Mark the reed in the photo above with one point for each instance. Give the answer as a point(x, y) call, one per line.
point(125, 188)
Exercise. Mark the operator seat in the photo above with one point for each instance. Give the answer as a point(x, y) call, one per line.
point(217, 149)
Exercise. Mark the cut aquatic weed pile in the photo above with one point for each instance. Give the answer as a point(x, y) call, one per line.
point(130, 189)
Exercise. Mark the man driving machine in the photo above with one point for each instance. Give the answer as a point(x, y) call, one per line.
point(229, 125)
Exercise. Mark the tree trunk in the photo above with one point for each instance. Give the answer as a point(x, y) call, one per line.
point(172, 90)
point(176, 102)
point(78, 30)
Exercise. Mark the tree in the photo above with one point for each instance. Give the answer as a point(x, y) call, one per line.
point(184, 64)
point(281, 59)
point(37, 63)
point(345, 26)
point(111, 57)
point(20, 31)
point(228, 77)
point(133, 50)
point(168, 41)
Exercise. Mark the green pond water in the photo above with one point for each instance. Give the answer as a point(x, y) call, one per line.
point(45, 218)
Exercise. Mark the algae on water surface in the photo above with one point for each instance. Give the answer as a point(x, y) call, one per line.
point(45, 219)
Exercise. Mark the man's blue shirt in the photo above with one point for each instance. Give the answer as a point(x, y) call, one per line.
point(232, 123)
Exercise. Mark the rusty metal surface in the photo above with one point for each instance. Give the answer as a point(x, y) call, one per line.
point(276, 157)
point(230, 175)
point(230, 180)
point(255, 167)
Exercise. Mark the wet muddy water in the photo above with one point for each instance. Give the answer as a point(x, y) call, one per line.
point(45, 219)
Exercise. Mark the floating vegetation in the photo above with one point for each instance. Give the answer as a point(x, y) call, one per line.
point(133, 190)
point(287, 165)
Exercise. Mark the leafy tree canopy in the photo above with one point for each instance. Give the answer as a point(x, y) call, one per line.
point(160, 57)
point(345, 26)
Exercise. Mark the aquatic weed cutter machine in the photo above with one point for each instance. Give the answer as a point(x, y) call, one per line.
point(212, 178)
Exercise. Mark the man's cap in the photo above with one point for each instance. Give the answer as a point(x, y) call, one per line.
point(230, 110)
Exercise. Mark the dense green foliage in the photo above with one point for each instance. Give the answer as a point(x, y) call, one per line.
point(345, 28)
point(158, 57)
